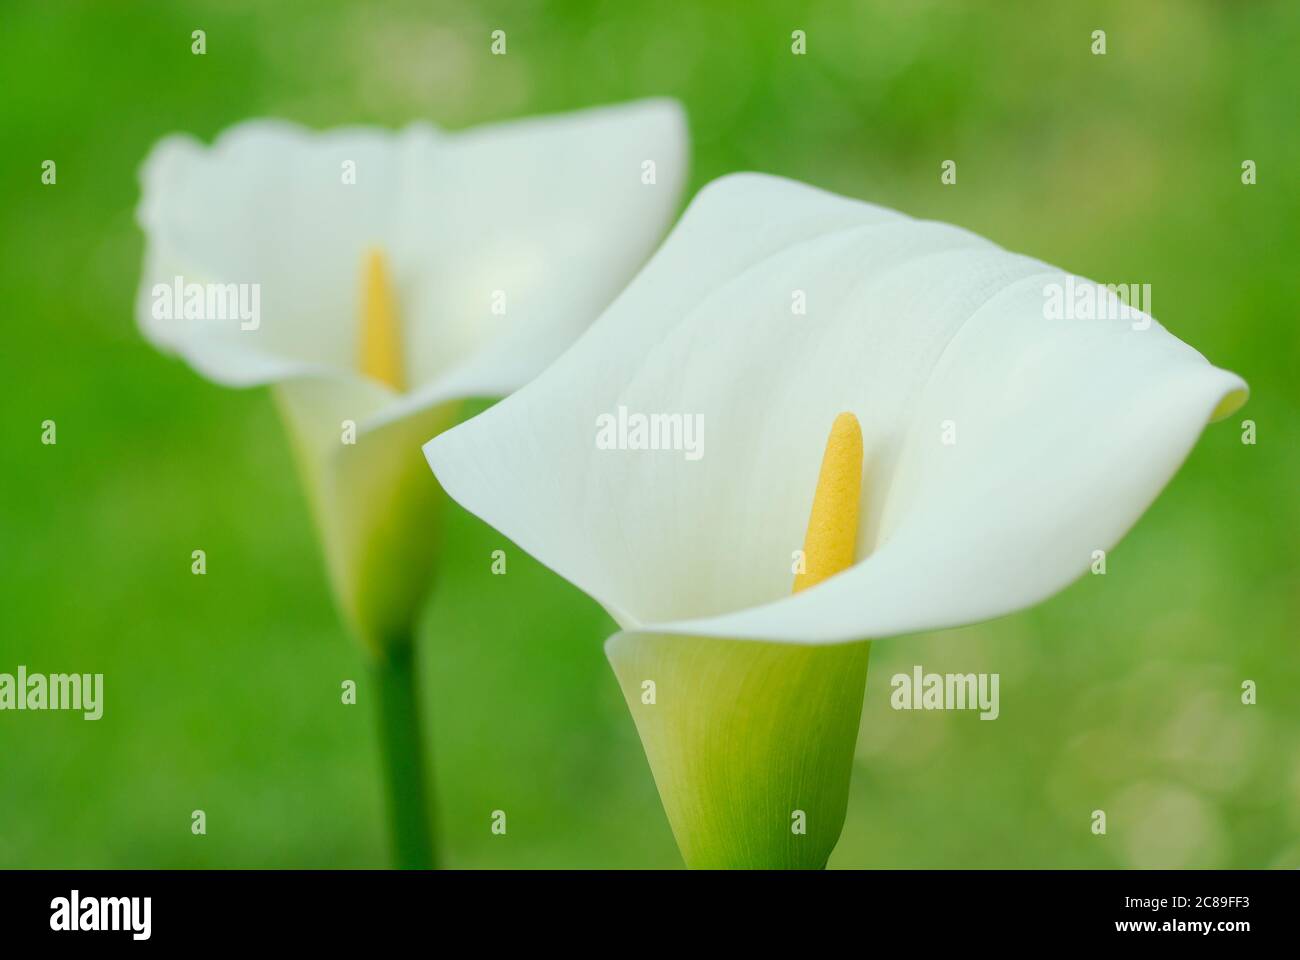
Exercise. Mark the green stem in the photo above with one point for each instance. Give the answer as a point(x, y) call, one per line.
point(402, 751)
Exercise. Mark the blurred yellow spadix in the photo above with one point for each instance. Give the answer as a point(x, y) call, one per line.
point(380, 354)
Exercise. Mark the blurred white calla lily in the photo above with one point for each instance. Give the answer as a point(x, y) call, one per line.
point(394, 274)
point(374, 279)
point(999, 449)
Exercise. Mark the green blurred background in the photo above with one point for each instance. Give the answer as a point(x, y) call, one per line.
point(222, 692)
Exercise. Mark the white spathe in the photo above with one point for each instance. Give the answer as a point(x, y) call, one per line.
point(503, 242)
point(1001, 447)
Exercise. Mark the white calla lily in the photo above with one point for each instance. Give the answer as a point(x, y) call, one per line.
point(501, 244)
point(1001, 447)
point(374, 279)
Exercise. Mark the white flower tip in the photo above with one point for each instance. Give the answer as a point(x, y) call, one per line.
point(1231, 401)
